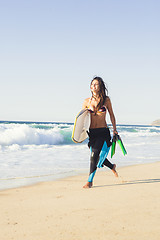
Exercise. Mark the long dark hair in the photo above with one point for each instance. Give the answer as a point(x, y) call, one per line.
point(103, 92)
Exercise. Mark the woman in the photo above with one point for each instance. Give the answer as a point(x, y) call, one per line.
point(99, 132)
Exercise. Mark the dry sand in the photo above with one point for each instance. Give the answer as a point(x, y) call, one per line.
point(123, 208)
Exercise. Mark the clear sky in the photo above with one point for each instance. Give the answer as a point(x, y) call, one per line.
point(50, 51)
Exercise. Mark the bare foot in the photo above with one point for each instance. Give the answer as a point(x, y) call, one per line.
point(88, 185)
point(114, 170)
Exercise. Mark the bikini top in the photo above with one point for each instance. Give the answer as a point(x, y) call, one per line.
point(102, 109)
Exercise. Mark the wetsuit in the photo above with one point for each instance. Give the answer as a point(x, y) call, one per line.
point(97, 137)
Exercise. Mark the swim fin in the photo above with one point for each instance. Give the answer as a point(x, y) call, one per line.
point(113, 146)
point(117, 138)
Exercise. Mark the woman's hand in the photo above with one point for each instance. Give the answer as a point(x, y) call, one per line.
point(115, 132)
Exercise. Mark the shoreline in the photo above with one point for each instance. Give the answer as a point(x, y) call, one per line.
point(54, 179)
point(78, 174)
point(114, 208)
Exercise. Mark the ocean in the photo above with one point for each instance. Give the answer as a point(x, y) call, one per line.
point(32, 152)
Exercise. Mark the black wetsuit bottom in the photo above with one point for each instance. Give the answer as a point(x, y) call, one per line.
point(97, 137)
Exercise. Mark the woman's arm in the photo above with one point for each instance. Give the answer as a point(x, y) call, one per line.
point(112, 117)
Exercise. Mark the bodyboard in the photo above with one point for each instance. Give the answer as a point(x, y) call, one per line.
point(81, 126)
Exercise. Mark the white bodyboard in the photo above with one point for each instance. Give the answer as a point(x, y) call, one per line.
point(81, 126)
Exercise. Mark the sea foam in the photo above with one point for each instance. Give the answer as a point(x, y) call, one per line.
point(23, 134)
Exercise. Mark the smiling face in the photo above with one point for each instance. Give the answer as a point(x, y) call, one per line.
point(95, 86)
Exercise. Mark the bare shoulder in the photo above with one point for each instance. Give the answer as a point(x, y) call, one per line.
point(86, 103)
point(107, 102)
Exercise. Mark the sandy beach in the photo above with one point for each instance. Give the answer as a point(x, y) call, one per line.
point(123, 208)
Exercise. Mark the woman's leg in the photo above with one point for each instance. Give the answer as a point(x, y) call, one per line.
point(108, 164)
point(111, 166)
point(94, 161)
